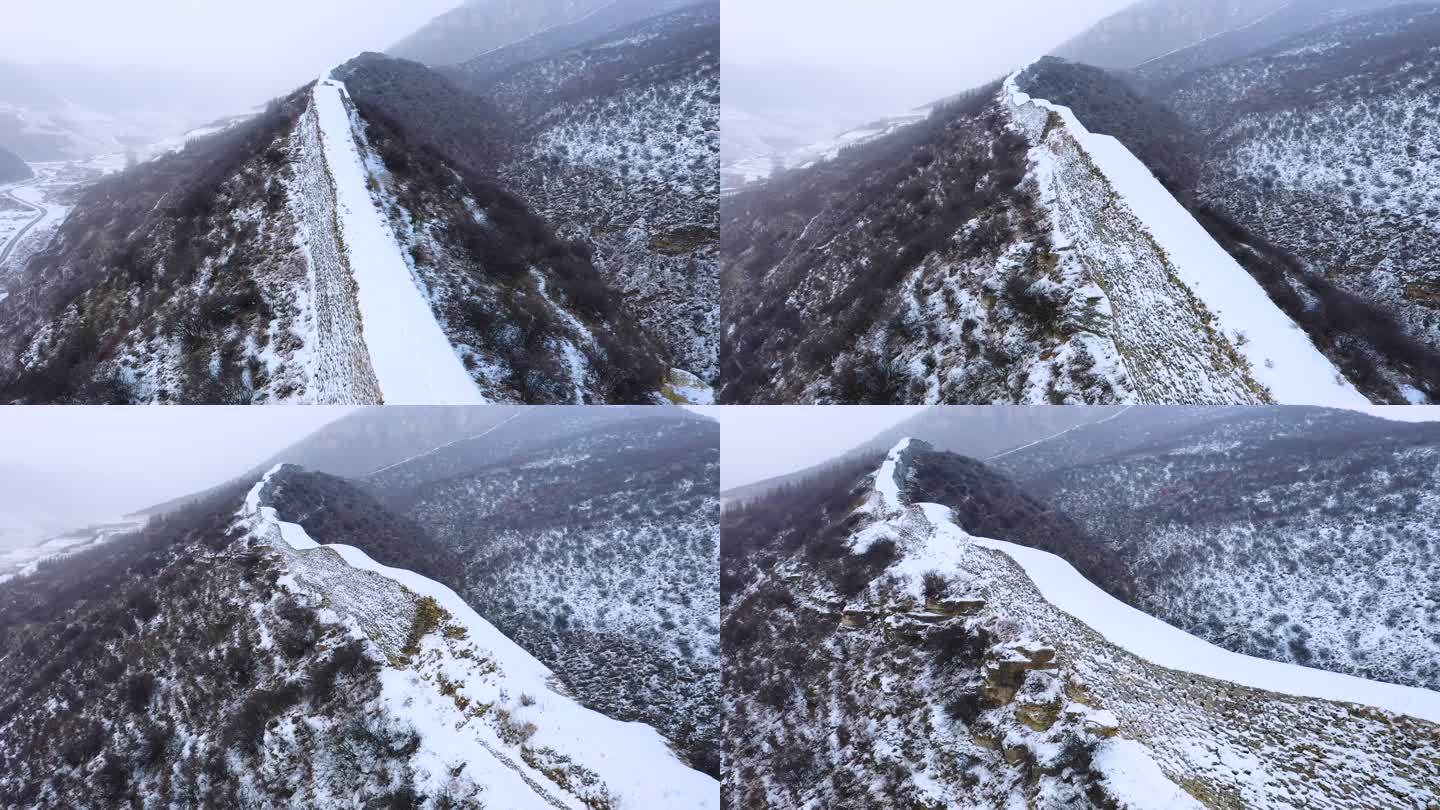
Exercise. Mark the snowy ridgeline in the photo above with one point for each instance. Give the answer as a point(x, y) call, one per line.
point(1264, 355)
point(412, 357)
point(477, 699)
point(1164, 686)
point(1137, 632)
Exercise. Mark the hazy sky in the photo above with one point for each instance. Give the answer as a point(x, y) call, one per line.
point(274, 45)
point(939, 46)
point(759, 442)
point(117, 460)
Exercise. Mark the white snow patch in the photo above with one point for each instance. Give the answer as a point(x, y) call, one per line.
point(1135, 780)
point(887, 479)
point(413, 359)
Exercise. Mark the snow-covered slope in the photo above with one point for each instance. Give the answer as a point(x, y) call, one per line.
point(1188, 317)
point(1324, 143)
point(617, 144)
point(324, 252)
point(592, 540)
point(1152, 29)
point(761, 159)
point(1167, 646)
point(412, 358)
point(1297, 535)
point(475, 698)
point(910, 660)
point(997, 251)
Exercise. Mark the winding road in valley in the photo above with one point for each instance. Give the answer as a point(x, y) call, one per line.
point(19, 237)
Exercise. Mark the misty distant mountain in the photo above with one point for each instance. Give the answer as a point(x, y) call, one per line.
point(977, 432)
point(481, 29)
point(478, 26)
point(564, 253)
point(783, 114)
point(12, 168)
point(64, 111)
point(1154, 28)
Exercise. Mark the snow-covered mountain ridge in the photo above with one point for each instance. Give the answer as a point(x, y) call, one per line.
point(476, 699)
point(954, 671)
point(1058, 270)
point(251, 267)
point(223, 655)
point(1175, 286)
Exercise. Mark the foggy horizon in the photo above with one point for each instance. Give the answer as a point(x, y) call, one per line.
point(760, 442)
point(938, 48)
point(88, 464)
point(251, 53)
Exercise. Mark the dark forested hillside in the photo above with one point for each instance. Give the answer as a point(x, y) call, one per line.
point(1323, 145)
point(616, 143)
point(591, 537)
point(130, 671)
point(891, 311)
point(336, 511)
point(987, 504)
point(1294, 534)
point(175, 213)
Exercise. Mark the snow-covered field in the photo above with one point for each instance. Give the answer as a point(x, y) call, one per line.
point(31, 211)
point(1230, 307)
point(751, 168)
point(412, 358)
